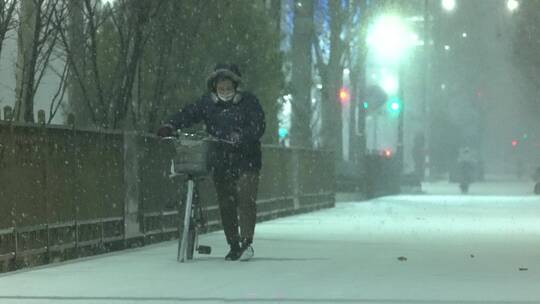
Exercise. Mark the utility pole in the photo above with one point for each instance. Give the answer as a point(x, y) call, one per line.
point(399, 151)
point(425, 107)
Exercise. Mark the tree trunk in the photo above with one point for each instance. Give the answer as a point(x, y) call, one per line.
point(272, 122)
point(77, 103)
point(275, 13)
point(7, 20)
point(332, 137)
point(358, 113)
point(301, 74)
point(358, 88)
point(25, 69)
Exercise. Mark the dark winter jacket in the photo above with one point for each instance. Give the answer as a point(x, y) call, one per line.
point(243, 115)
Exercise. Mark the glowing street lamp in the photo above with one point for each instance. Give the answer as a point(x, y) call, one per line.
point(512, 5)
point(390, 38)
point(390, 84)
point(449, 5)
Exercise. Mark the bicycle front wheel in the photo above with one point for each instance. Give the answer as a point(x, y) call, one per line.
point(191, 240)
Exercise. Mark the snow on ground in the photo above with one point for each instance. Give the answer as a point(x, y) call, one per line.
point(494, 185)
point(401, 249)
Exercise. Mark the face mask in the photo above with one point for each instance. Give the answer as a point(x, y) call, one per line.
point(226, 96)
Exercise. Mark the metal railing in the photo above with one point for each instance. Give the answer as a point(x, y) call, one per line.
point(66, 193)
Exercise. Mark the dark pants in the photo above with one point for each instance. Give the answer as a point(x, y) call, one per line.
point(237, 204)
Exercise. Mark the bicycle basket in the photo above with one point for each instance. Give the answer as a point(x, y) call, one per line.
point(192, 156)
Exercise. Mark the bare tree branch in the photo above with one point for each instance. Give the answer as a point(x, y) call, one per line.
point(91, 9)
point(61, 27)
point(7, 20)
point(59, 95)
point(35, 46)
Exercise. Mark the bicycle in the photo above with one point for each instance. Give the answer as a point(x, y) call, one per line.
point(191, 163)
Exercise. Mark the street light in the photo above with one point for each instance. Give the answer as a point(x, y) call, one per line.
point(449, 5)
point(390, 84)
point(512, 5)
point(389, 38)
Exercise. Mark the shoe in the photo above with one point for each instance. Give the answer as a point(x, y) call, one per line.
point(234, 253)
point(246, 252)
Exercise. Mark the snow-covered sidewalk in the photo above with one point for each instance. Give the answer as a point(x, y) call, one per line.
point(492, 186)
point(402, 249)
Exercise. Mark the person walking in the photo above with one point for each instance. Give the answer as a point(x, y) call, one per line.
point(236, 117)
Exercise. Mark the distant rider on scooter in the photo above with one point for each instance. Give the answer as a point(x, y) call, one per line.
point(466, 169)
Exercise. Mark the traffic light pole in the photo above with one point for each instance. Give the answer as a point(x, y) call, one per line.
point(425, 109)
point(399, 149)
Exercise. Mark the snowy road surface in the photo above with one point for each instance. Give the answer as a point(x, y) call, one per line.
point(402, 249)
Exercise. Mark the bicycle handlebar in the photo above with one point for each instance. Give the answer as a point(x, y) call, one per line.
point(199, 136)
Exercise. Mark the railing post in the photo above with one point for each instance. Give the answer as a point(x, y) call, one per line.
point(132, 227)
point(71, 120)
point(41, 117)
point(8, 113)
point(295, 167)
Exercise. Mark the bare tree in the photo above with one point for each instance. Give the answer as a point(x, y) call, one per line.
point(77, 60)
point(7, 20)
point(58, 97)
point(106, 75)
point(526, 48)
point(357, 61)
point(348, 23)
point(301, 80)
point(331, 73)
point(142, 59)
point(166, 31)
point(37, 37)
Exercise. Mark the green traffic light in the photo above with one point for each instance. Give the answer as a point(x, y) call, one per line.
point(394, 105)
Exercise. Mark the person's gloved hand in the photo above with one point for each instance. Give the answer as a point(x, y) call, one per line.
point(166, 130)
